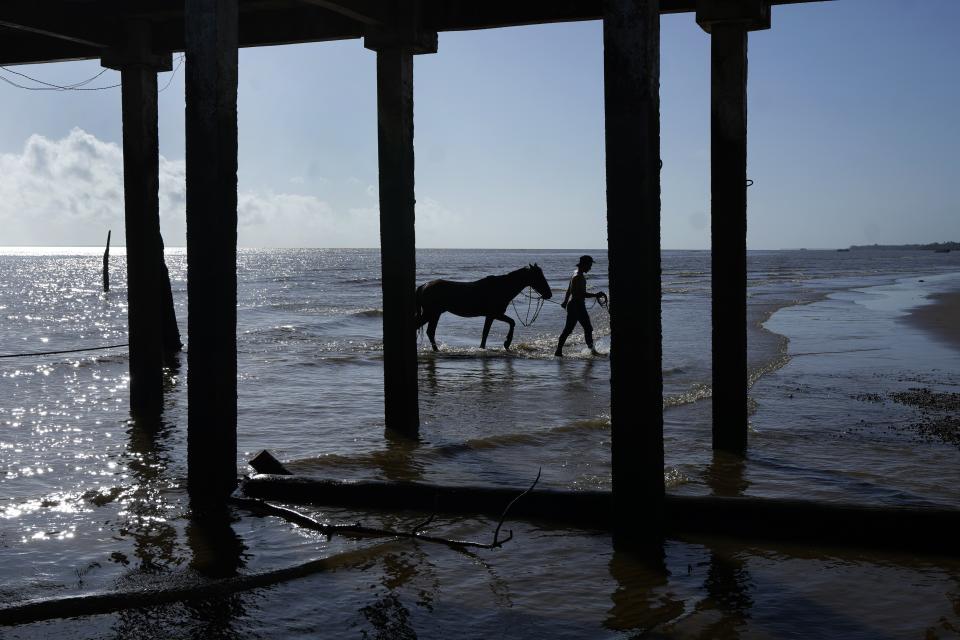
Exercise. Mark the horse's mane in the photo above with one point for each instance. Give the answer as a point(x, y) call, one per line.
point(504, 275)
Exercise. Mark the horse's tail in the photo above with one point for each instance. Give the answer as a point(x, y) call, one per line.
point(419, 308)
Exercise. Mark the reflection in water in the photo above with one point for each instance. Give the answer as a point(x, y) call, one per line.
point(496, 374)
point(725, 475)
point(587, 371)
point(641, 601)
point(149, 456)
point(155, 539)
point(488, 382)
point(727, 583)
point(728, 587)
point(430, 364)
point(398, 462)
point(217, 553)
point(411, 571)
point(387, 614)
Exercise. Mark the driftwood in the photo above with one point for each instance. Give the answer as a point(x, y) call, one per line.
point(264, 462)
point(927, 530)
point(263, 508)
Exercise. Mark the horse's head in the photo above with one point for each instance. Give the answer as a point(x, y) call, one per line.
point(539, 282)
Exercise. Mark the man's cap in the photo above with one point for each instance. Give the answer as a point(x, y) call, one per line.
point(585, 260)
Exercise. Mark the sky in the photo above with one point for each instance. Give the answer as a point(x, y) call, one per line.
point(853, 138)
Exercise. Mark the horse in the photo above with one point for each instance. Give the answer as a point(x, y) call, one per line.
point(486, 297)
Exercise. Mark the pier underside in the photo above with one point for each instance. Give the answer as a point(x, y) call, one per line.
point(56, 30)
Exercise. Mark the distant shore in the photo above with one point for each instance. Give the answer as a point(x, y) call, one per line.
point(939, 247)
point(940, 318)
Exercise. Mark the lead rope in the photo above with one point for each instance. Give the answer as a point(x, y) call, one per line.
point(605, 304)
point(527, 320)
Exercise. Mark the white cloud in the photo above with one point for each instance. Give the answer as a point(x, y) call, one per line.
point(70, 191)
point(268, 219)
point(67, 191)
point(438, 226)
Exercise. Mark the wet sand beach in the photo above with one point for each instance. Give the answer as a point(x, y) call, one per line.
point(940, 318)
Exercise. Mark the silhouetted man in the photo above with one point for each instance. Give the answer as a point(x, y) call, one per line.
point(575, 303)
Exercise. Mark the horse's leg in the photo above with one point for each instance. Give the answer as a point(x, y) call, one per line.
point(509, 321)
point(432, 330)
point(486, 330)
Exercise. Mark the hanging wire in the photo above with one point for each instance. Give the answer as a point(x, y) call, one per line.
point(50, 86)
point(50, 353)
point(75, 86)
point(170, 79)
point(67, 87)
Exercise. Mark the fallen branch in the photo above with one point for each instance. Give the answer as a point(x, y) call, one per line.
point(504, 514)
point(260, 507)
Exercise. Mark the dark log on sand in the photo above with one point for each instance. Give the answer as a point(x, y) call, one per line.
point(916, 529)
point(110, 601)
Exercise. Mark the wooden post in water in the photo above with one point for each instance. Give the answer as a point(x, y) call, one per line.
point(395, 50)
point(138, 67)
point(631, 71)
point(728, 24)
point(106, 264)
point(171, 331)
point(211, 154)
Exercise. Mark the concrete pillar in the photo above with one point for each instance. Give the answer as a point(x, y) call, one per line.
point(395, 53)
point(728, 24)
point(397, 239)
point(138, 68)
point(211, 154)
point(631, 45)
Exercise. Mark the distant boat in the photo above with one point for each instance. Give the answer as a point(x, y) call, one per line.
point(843, 250)
point(941, 250)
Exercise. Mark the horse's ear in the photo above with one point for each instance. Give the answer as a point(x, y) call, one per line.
point(530, 265)
point(534, 265)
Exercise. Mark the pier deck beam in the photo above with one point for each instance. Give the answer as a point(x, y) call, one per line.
point(398, 258)
point(631, 44)
point(138, 68)
point(728, 24)
point(211, 155)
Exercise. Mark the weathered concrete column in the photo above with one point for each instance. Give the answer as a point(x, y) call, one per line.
point(138, 67)
point(728, 24)
point(211, 154)
point(631, 60)
point(397, 236)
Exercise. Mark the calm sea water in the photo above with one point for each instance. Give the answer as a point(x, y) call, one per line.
point(92, 501)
